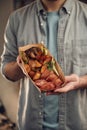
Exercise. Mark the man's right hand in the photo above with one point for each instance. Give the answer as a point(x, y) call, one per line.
point(13, 70)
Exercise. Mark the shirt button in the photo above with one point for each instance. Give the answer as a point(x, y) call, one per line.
point(42, 42)
point(44, 13)
point(40, 113)
point(41, 24)
point(69, 12)
point(39, 96)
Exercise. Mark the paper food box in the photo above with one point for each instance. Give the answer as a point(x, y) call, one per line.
point(41, 67)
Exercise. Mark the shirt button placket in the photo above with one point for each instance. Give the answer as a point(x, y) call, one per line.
point(41, 24)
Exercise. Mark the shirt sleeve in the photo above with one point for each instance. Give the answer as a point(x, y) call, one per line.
point(10, 50)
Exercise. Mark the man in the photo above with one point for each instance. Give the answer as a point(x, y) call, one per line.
point(62, 26)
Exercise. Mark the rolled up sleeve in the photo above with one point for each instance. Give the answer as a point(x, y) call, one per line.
point(10, 50)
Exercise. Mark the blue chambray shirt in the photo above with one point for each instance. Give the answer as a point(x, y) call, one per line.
point(26, 26)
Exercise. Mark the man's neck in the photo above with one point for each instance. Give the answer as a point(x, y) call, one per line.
point(52, 5)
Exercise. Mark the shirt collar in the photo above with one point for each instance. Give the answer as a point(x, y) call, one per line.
point(40, 7)
point(67, 6)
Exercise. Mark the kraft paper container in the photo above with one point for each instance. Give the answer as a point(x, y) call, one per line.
point(57, 69)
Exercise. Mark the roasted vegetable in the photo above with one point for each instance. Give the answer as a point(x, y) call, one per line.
point(36, 76)
point(33, 52)
point(24, 57)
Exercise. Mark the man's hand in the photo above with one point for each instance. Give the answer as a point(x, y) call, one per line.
point(71, 82)
point(12, 71)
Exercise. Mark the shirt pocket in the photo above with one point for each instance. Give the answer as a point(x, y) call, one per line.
point(79, 56)
point(79, 52)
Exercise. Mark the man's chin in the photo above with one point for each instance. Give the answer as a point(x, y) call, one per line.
point(53, 0)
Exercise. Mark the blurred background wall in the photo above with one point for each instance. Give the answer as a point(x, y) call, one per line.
point(9, 91)
point(5, 9)
point(85, 1)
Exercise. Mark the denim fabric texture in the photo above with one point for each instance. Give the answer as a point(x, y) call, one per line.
point(26, 26)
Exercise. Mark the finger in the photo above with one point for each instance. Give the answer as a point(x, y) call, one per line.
point(71, 78)
point(52, 93)
point(65, 89)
